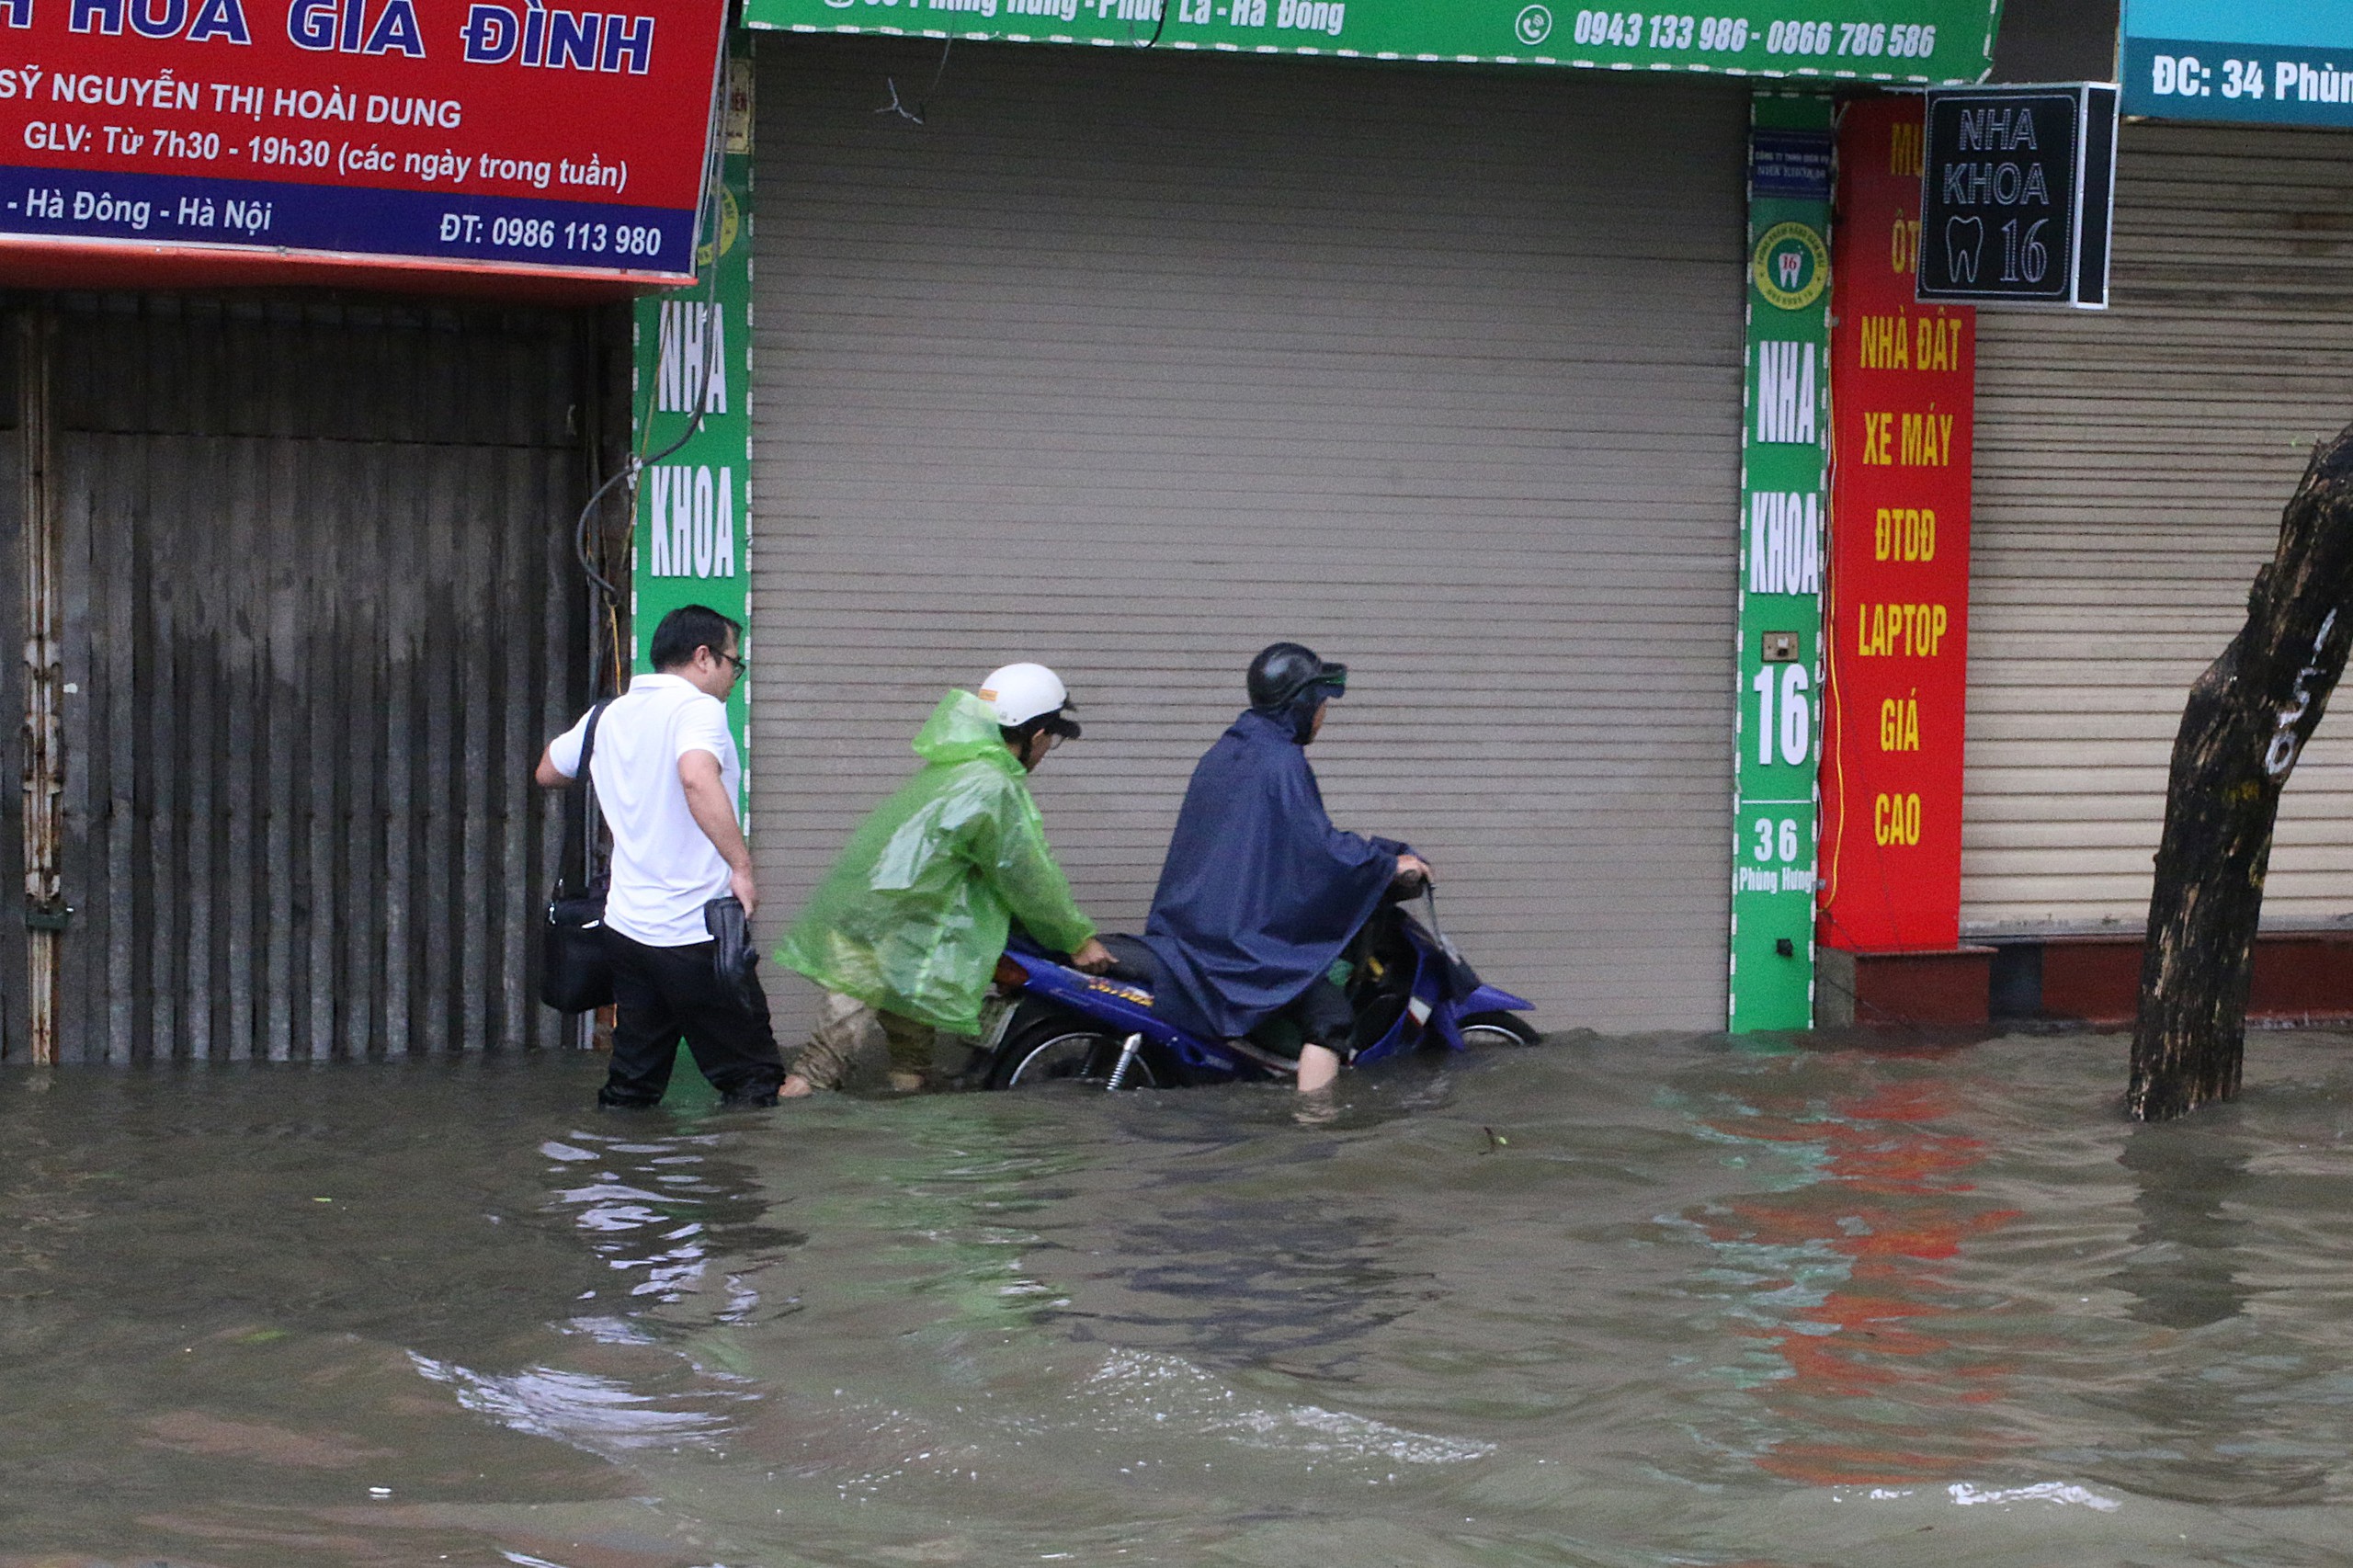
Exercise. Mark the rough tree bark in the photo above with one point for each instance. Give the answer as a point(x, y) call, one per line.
point(2246, 723)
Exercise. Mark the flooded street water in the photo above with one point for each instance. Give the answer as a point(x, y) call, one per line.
point(1665, 1300)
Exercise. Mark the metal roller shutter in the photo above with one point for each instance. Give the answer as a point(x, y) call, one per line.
point(1133, 363)
point(320, 612)
point(2131, 469)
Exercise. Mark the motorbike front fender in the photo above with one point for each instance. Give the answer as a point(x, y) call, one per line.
point(1490, 999)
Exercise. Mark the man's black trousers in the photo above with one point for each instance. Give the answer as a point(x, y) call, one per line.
point(662, 994)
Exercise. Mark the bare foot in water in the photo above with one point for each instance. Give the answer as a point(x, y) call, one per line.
point(1318, 1067)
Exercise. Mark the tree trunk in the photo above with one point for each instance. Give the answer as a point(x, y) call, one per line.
point(2246, 723)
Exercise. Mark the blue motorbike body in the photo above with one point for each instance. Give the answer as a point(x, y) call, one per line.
point(1121, 1007)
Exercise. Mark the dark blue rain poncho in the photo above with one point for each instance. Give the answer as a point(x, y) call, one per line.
point(1260, 892)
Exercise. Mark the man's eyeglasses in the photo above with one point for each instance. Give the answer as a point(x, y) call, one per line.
point(743, 665)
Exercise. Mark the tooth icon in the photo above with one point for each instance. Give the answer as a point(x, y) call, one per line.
point(1964, 241)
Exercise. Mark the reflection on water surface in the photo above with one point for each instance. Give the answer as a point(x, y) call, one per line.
point(1615, 1301)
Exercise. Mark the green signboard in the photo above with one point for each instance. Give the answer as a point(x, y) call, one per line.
point(1784, 503)
point(694, 503)
point(1870, 40)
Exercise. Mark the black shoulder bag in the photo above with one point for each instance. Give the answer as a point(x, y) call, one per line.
point(575, 975)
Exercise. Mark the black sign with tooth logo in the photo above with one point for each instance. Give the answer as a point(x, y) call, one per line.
point(2016, 195)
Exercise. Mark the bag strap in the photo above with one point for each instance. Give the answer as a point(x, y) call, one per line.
point(588, 741)
point(577, 824)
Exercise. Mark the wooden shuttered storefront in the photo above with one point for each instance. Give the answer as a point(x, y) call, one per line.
point(2131, 469)
point(1132, 362)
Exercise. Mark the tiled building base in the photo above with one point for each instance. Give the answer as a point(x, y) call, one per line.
point(2299, 977)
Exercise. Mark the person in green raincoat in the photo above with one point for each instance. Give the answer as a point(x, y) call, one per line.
point(906, 930)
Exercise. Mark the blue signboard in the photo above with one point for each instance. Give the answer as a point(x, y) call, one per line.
point(175, 209)
point(2277, 62)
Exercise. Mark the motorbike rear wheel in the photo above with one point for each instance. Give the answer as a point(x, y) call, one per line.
point(1499, 1028)
point(1056, 1047)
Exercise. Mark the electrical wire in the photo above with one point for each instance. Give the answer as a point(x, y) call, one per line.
point(1882, 1015)
point(711, 214)
point(923, 106)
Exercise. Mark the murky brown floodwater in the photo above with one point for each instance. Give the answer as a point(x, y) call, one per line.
point(1688, 1303)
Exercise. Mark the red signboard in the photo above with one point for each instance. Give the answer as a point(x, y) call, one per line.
point(1902, 391)
point(507, 136)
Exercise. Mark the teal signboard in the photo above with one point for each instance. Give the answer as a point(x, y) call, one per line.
point(2276, 61)
point(1871, 41)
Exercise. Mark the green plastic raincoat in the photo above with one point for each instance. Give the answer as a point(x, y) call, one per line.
point(914, 915)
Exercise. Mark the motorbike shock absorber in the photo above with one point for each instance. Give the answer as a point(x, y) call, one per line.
point(1128, 1048)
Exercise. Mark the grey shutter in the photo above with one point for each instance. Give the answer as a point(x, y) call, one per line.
point(321, 614)
point(1133, 362)
point(2131, 469)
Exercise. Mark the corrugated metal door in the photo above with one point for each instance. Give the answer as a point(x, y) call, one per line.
point(2131, 469)
point(1133, 362)
point(320, 614)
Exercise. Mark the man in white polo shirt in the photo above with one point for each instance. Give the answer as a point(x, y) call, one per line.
point(667, 779)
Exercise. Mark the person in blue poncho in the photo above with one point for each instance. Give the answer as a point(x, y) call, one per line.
point(1260, 895)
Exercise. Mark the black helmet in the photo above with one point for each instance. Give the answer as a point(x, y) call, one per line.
point(1283, 670)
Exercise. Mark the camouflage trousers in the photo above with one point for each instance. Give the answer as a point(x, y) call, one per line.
point(845, 1025)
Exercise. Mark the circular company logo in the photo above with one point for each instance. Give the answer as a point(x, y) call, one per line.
point(1791, 266)
point(731, 223)
point(1534, 26)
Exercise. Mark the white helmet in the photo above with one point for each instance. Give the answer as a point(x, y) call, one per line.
point(1022, 692)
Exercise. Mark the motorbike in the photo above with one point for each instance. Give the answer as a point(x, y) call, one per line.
point(1408, 986)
